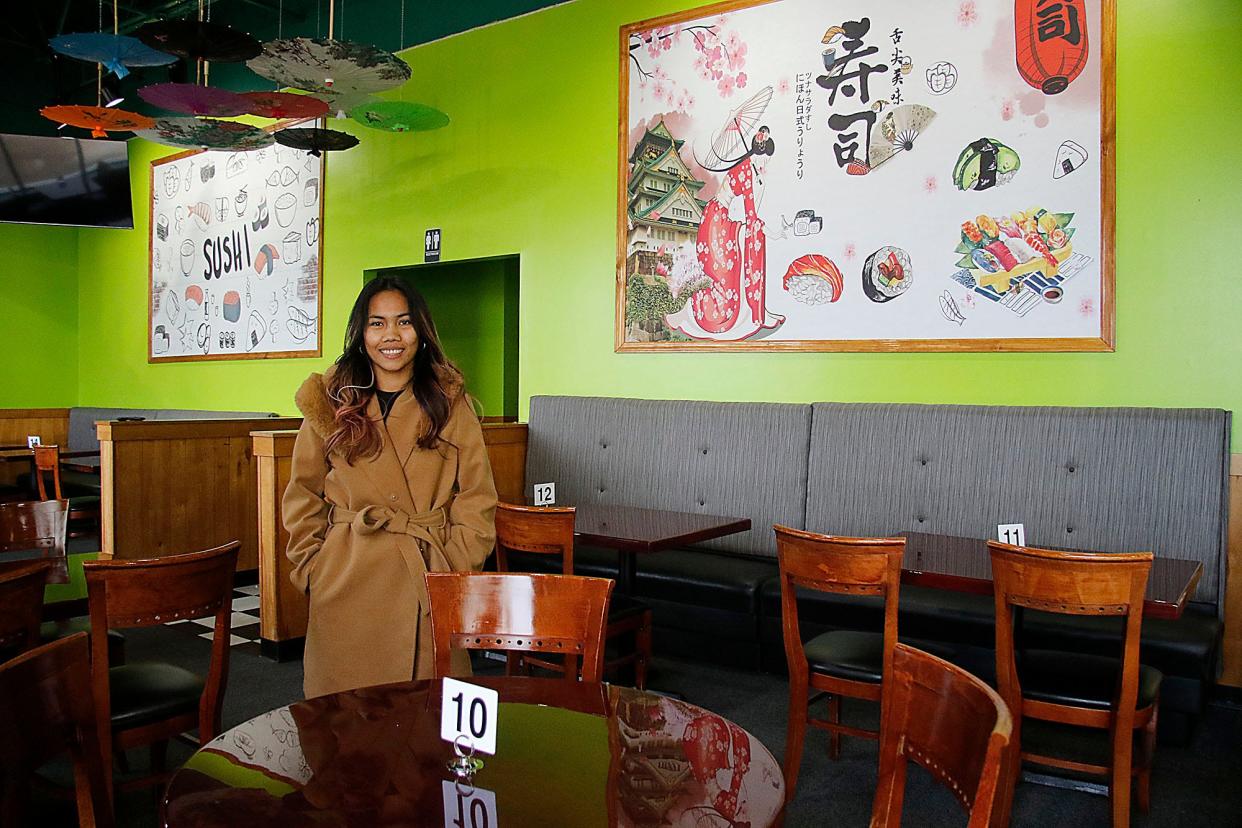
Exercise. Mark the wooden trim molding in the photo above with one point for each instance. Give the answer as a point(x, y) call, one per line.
point(1232, 645)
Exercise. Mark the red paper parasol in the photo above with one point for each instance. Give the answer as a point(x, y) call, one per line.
point(284, 105)
point(207, 134)
point(193, 99)
point(200, 40)
point(100, 120)
point(315, 140)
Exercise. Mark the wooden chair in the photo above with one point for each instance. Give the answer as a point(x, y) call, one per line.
point(948, 721)
point(841, 662)
point(521, 612)
point(149, 703)
point(549, 530)
point(21, 605)
point(47, 710)
point(1116, 695)
point(82, 509)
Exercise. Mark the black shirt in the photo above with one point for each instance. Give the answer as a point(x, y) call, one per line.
point(386, 400)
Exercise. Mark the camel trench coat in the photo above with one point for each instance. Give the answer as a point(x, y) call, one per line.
point(362, 535)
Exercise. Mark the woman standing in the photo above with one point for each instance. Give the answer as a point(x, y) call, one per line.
point(390, 479)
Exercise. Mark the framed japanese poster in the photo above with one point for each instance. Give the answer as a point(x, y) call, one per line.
point(236, 253)
point(868, 175)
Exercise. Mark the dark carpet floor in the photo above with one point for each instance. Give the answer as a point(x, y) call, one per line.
point(1196, 785)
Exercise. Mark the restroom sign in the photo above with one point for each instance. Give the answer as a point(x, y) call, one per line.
point(431, 245)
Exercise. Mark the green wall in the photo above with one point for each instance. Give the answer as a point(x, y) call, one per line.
point(38, 316)
point(528, 167)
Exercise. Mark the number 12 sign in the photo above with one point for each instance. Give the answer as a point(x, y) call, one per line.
point(468, 712)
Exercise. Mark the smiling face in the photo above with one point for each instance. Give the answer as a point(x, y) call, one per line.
point(391, 340)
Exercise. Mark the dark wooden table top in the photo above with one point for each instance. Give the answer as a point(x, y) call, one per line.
point(963, 565)
point(631, 529)
point(567, 754)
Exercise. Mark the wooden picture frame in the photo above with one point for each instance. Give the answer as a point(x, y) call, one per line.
point(292, 300)
point(1094, 299)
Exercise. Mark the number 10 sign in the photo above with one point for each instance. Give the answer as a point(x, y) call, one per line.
point(468, 715)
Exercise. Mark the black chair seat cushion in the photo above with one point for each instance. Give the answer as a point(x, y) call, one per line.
point(151, 691)
point(74, 483)
point(623, 607)
point(1079, 679)
point(88, 503)
point(704, 579)
point(858, 656)
point(1186, 646)
point(52, 630)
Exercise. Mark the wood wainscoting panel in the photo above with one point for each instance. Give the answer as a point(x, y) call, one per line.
point(1232, 646)
point(171, 486)
point(16, 424)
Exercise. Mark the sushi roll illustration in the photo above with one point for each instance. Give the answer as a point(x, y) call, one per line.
point(984, 164)
point(886, 274)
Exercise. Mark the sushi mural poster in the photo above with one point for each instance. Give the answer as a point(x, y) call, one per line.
point(235, 255)
point(868, 175)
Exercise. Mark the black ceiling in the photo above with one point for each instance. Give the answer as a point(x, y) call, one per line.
point(35, 76)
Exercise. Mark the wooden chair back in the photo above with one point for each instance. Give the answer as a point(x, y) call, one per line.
point(146, 593)
point(948, 721)
point(1071, 583)
point(847, 566)
point(47, 460)
point(541, 530)
point(47, 710)
point(34, 524)
point(21, 605)
point(523, 612)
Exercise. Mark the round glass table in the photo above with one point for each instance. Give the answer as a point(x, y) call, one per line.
point(567, 754)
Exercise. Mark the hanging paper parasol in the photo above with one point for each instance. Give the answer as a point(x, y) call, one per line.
point(200, 40)
point(207, 134)
point(399, 116)
point(335, 66)
point(315, 140)
point(100, 120)
point(193, 99)
point(116, 52)
point(732, 142)
point(284, 105)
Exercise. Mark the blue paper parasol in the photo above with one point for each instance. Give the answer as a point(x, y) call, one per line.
point(116, 52)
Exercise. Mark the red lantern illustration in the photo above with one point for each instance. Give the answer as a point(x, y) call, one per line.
point(1051, 38)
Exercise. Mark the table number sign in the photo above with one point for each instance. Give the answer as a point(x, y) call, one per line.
point(545, 494)
point(1011, 533)
point(468, 715)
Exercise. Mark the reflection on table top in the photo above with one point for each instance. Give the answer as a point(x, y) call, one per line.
point(964, 565)
point(583, 754)
point(649, 530)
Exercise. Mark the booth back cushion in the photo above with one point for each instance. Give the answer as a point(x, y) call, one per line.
point(731, 459)
point(1104, 479)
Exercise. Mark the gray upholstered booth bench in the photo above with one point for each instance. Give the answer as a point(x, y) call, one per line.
point(1104, 479)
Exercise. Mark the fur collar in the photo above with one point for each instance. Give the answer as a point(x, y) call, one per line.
point(320, 411)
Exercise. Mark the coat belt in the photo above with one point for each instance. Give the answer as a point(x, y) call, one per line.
point(371, 519)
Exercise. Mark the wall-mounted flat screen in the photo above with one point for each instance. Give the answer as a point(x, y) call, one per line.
point(73, 181)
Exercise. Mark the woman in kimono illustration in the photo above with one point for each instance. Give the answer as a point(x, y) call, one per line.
point(390, 479)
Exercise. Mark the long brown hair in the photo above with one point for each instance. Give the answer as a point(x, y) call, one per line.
point(353, 382)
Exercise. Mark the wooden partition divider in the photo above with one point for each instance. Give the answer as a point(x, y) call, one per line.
point(51, 425)
point(282, 609)
point(171, 486)
point(1232, 646)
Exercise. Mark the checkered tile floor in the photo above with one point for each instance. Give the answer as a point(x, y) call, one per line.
point(244, 625)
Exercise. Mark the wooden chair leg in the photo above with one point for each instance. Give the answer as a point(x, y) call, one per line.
point(1011, 771)
point(794, 735)
point(834, 716)
point(1119, 781)
point(513, 663)
point(1143, 786)
point(642, 643)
